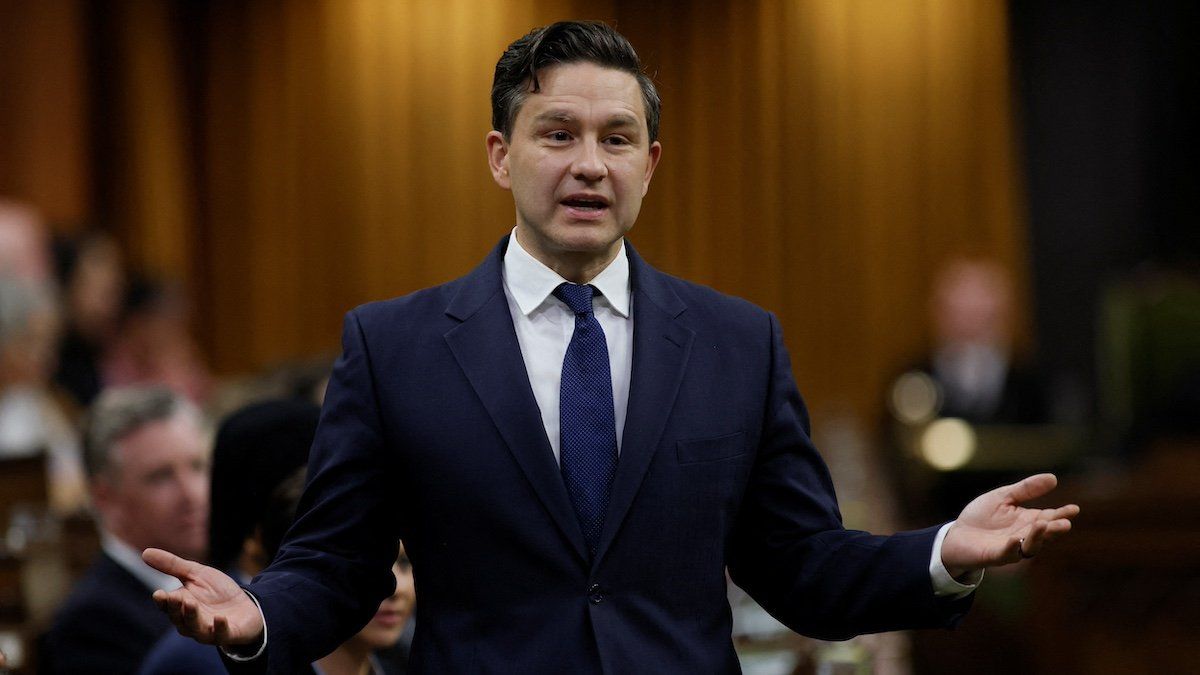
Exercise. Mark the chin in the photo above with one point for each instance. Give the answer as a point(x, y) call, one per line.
point(381, 637)
point(586, 238)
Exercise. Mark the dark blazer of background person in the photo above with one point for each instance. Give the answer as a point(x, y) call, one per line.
point(431, 433)
point(110, 621)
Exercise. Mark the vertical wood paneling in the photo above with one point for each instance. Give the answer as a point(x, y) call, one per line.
point(45, 157)
point(822, 158)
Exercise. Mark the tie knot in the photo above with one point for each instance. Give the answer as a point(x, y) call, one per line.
point(577, 296)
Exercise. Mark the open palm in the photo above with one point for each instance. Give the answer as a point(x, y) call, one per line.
point(210, 607)
point(994, 529)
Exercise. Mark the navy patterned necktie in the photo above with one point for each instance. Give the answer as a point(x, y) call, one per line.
point(587, 424)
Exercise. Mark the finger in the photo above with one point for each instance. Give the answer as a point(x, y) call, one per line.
point(1063, 512)
point(1032, 487)
point(172, 604)
point(199, 623)
point(220, 630)
point(1055, 529)
point(1032, 542)
point(169, 563)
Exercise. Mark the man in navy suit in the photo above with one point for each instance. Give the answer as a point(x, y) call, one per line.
point(147, 458)
point(582, 444)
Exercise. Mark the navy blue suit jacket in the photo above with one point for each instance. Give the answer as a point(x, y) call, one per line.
point(107, 624)
point(430, 433)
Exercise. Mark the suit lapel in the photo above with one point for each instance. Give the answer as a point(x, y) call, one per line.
point(486, 348)
point(661, 346)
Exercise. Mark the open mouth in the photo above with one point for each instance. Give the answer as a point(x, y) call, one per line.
point(586, 203)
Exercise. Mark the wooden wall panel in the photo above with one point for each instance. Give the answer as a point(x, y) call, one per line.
point(822, 158)
point(44, 149)
point(346, 160)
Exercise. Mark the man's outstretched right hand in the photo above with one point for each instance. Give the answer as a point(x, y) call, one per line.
point(210, 607)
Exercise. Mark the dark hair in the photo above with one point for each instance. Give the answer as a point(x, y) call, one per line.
point(257, 448)
point(280, 511)
point(565, 42)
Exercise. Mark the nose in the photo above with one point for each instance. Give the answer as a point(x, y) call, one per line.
point(588, 165)
point(194, 488)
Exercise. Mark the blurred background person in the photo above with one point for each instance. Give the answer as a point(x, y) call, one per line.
point(972, 359)
point(32, 419)
point(147, 459)
point(153, 343)
point(91, 270)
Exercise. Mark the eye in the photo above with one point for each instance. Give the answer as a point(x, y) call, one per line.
point(158, 477)
point(559, 136)
point(617, 140)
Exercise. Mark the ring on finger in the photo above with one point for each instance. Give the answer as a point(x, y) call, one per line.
point(1021, 550)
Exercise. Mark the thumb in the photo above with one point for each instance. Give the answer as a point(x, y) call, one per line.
point(1032, 487)
point(169, 563)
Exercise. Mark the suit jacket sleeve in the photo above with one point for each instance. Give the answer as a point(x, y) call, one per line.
point(334, 567)
point(790, 552)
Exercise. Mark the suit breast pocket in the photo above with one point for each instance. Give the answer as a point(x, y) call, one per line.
point(711, 449)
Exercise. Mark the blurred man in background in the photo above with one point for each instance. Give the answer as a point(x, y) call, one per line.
point(973, 360)
point(147, 460)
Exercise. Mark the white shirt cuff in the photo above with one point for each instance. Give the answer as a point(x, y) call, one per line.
point(945, 585)
point(242, 657)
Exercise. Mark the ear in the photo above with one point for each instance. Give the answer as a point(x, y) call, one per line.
point(655, 155)
point(497, 151)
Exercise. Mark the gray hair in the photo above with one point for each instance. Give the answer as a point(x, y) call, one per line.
point(121, 411)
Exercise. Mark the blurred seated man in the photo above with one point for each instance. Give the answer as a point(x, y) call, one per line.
point(257, 476)
point(972, 360)
point(31, 419)
point(147, 459)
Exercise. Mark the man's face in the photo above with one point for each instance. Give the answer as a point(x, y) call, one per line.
point(578, 162)
point(155, 490)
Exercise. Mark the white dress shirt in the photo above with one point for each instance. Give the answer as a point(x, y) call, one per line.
point(130, 559)
point(544, 326)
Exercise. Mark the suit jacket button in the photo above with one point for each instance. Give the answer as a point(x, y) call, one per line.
point(595, 594)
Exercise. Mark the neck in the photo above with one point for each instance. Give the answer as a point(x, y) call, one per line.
point(578, 267)
point(351, 658)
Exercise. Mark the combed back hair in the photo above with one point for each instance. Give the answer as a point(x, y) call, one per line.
point(121, 411)
point(20, 300)
point(565, 42)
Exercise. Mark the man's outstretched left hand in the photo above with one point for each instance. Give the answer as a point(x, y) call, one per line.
point(994, 529)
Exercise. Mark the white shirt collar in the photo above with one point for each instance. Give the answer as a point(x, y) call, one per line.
point(531, 282)
point(131, 560)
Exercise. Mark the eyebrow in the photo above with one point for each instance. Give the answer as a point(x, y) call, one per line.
point(555, 116)
point(616, 121)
